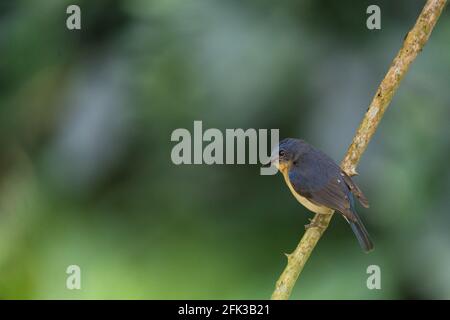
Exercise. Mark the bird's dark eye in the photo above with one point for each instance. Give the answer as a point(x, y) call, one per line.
point(282, 153)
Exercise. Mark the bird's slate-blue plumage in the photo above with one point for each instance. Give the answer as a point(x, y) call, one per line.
point(316, 177)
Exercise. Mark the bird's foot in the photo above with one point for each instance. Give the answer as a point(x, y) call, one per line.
point(313, 224)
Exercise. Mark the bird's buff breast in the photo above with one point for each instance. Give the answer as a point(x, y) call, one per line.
point(305, 202)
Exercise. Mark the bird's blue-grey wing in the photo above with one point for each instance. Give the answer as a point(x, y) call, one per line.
point(318, 179)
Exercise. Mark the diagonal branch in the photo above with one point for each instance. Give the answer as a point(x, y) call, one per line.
point(413, 44)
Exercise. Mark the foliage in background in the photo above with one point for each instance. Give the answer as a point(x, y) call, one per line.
point(85, 170)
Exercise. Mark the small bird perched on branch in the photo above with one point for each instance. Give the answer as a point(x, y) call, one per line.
point(319, 184)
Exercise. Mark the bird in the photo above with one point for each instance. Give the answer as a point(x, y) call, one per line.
point(319, 184)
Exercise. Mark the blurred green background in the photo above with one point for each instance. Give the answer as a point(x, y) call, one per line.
point(86, 176)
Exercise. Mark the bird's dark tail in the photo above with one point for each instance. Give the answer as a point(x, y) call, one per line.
point(361, 233)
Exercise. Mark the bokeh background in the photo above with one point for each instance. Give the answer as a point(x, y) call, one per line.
point(86, 176)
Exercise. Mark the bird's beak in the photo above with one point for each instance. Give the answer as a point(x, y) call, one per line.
point(267, 164)
point(272, 161)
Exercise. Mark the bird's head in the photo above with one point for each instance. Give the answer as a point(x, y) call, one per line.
point(287, 153)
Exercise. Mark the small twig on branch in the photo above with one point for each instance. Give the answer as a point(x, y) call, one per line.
point(414, 42)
